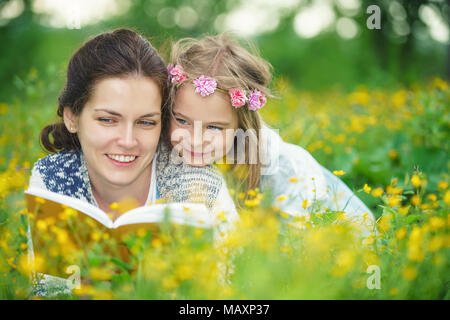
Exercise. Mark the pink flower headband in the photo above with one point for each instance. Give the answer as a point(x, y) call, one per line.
point(206, 86)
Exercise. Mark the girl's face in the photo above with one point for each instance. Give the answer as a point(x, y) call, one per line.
point(202, 128)
point(119, 129)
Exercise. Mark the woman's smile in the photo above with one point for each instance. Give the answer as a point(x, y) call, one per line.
point(122, 160)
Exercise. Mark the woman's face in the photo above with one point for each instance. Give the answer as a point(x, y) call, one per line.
point(119, 129)
point(202, 129)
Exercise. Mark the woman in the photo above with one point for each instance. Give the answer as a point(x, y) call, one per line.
point(111, 111)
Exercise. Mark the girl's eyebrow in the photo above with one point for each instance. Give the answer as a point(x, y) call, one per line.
point(152, 114)
point(209, 123)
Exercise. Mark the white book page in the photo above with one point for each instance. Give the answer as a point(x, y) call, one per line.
point(77, 204)
point(193, 214)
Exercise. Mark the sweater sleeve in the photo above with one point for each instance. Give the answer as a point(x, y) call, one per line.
point(36, 179)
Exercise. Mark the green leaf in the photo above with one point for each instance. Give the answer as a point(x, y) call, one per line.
point(413, 218)
point(122, 264)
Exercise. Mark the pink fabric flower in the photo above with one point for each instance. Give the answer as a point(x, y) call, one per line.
point(176, 73)
point(256, 100)
point(205, 86)
point(238, 97)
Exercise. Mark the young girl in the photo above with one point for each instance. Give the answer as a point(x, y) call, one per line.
point(217, 88)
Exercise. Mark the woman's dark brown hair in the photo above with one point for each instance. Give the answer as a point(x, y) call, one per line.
point(117, 53)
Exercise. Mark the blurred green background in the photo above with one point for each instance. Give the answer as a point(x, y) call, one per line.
point(316, 44)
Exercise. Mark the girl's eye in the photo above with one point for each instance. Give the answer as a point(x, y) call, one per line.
point(214, 128)
point(181, 121)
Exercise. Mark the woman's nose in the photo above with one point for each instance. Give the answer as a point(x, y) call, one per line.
point(127, 138)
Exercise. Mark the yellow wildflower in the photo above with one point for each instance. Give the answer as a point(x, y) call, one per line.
point(436, 223)
point(339, 172)
point(400, 233)
point(409, 273)
point(367, 189)
point(344, 263)
point(447, 197)
point(393, 154)
point(416, 200)
point(252, 202)
point(26, 265)
point(369, 240)
point(169, 283)
point(442, 185)
point(432, 197)
point(305, 203)
point(221, 216)
point(293, 179)
point(384, 222)
point(101, 274)
point(378, 192)
point(415, 253)
point(394, 190)
point(41, 225)
point(184, 272)
point(156, 242)
point(281, 198)
point(435, 243)
point(393, 291)
point(403, 210)
point(415, 180)
point(141, 232)
point(3, 108)
point(62, 236)
point(439, 83)
point(284, 215)
point(394, 200)
point(96, 236)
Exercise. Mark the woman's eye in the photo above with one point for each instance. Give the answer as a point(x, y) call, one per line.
point(181, 121)
point(106, 120)
point(147, 123)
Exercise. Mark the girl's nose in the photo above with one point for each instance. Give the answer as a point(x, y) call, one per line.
point(197, 137)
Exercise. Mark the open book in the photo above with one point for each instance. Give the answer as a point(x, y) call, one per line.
point(67, 228)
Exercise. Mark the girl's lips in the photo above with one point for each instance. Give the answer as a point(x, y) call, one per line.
point(197, 154)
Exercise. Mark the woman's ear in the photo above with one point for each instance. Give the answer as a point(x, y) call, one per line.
point(70, 120)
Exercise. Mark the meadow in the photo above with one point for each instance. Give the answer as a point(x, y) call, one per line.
point(389, 145)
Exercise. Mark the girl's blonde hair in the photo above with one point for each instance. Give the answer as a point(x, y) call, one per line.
point(221, 57)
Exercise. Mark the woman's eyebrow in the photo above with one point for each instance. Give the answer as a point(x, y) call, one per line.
point(147, 115)
point(109, 111)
